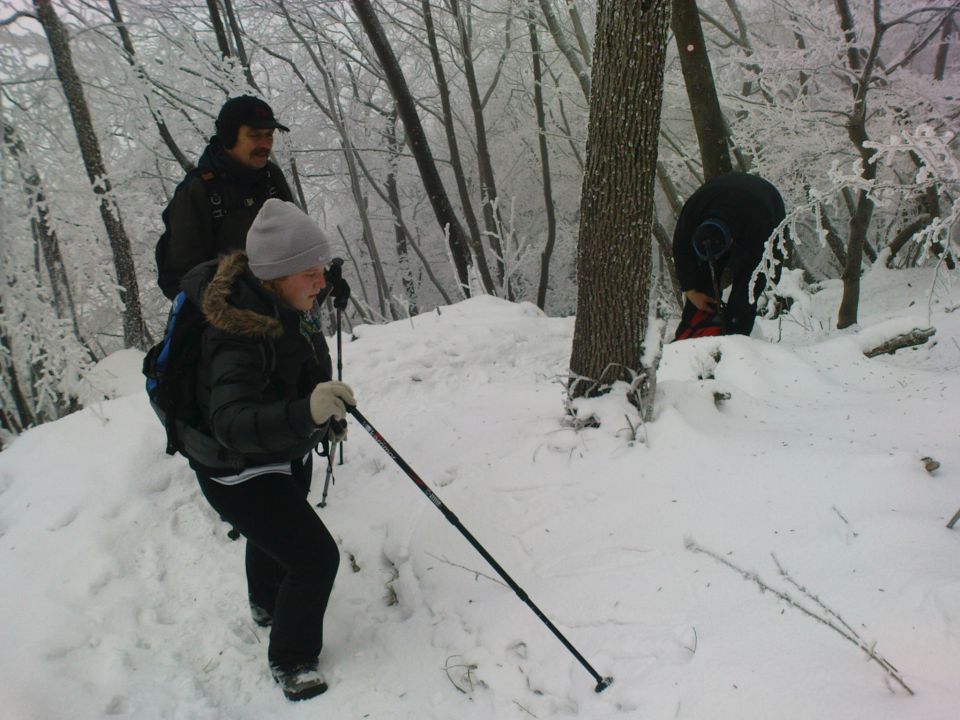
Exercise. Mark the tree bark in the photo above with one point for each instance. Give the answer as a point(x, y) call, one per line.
point(488, 185)
point(580, 69)
point(581, 34)
point(394, 145)
point(238, 41)
point(614, 254)
point(417, 139)
point(701, 89)
point(218, 29)
point(940, 65)
point(476, 243)
point(857, 132)
point(134, 331)
point(548, 203)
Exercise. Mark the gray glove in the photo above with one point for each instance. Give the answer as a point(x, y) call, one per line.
point(329, 400)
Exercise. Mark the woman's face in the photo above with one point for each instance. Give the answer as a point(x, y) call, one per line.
point(301, 290)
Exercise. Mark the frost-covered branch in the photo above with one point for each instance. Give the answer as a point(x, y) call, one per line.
point(828, 617)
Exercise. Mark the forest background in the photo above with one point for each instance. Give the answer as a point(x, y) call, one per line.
point(849, 107)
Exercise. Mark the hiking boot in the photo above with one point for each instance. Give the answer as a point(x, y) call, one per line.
point(260, 616)
point(301, 683)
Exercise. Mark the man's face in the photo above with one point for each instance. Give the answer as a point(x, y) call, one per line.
point(253, 146)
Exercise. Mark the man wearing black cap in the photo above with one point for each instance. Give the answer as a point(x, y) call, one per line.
point(214, 206)
point(718, 243)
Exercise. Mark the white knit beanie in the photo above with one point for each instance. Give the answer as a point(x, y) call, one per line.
point(283, 241)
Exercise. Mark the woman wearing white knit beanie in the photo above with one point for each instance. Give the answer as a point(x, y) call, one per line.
point(268, 400)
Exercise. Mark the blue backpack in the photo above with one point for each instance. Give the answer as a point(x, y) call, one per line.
point(172, 370)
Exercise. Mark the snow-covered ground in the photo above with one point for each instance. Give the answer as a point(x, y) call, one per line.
point(123, 597)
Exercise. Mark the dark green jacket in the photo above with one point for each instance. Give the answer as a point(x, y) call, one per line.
point(219, 185)
point(258, 366)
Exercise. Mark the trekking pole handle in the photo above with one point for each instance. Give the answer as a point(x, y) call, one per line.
point(602, 682)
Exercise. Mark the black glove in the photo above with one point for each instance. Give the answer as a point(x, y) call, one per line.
point(337, 430)
point(339, 288)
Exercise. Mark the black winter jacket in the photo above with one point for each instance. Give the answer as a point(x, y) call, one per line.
point(258, 367)
point(749, 206)
point(219, 185)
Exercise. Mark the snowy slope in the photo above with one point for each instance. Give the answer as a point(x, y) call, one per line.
point(123, 597)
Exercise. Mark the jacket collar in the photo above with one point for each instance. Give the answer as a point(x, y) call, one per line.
point(216, 159)
point(234, 301)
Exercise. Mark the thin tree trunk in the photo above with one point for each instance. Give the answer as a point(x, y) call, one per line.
point(476, 243)
point(346, 142)
point(614, 254)
point(582, 40)
point(295, 174)
point(834, 241)
point(394, 145)
point(580, 69)
point(857, 131)
point(134, 331)
point(488, 187)
point(548, 204)
point(940, 65)
point(46, 237)
point(416, 138)
point(22, 417)
point(665, 245)
point(131, 56)
point(218, 29)
point(701, 89)
point(905, 235)
point(238, 42)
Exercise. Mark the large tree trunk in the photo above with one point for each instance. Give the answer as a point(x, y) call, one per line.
point(701, 89)
point(416, 138)
point(614, 255)
point(134, 331)
point(544, 166)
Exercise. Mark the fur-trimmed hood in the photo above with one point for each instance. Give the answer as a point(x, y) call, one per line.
point(232, 299)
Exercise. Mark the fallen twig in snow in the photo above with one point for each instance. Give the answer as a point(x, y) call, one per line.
point(953, 520)
point(476, 573)
point(467, 677)
point(917, 336)
point(844, 631)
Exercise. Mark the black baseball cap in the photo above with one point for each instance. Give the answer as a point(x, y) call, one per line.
point(247, 110)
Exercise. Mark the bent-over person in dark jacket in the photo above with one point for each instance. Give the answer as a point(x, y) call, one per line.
point(267, 396)
point(724, 224)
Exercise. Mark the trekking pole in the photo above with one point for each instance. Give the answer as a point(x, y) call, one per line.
point(339, 374)
point(602, 682)
point(329, 479)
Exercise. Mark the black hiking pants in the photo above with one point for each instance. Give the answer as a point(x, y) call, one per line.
point(291, 558)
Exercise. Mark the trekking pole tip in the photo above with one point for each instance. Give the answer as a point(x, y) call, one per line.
point(604, 684)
